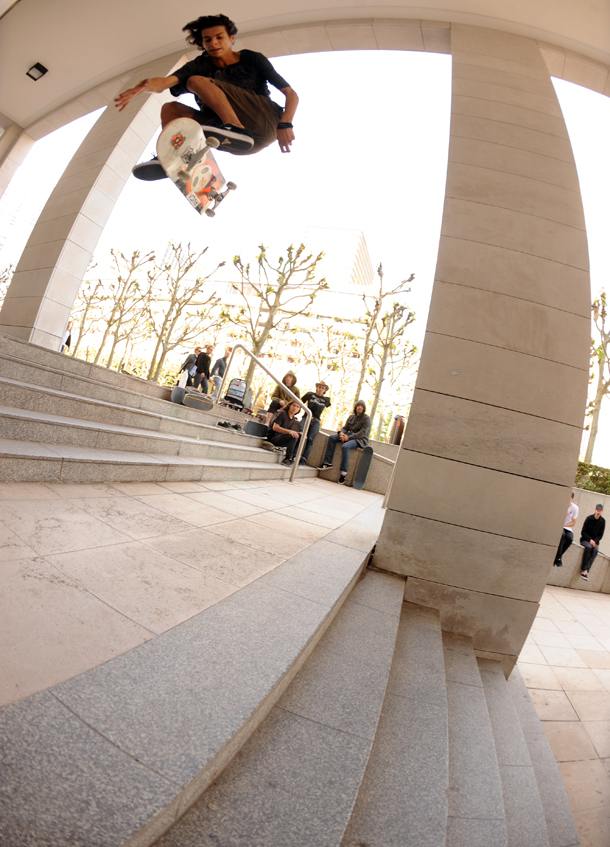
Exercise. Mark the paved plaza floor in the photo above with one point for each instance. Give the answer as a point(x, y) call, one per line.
point(566, 666)
point(91, 571)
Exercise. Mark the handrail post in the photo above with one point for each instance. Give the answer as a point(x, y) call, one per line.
point(308, 415)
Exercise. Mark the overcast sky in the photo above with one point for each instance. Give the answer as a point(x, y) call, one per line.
point(372, 134)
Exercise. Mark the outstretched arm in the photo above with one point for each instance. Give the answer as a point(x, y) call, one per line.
point(155, 85)
point(285, 137)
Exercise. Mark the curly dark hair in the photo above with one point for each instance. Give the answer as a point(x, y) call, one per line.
point(194, 28)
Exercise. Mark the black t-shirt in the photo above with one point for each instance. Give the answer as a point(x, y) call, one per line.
point(284, 420)
point(316, 404)
point(253, 72)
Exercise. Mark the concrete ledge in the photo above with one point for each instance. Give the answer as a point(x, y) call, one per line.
point(114, 756)
point(568, 576)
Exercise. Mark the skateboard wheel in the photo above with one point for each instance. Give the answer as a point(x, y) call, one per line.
point(212, 142)
point(210, 213)
point(231, 186)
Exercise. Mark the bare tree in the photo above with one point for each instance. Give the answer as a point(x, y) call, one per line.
point(87, 309)
point(176, 313)
point(373, 310)
point(387, 352)
point(6, 275)
point(273, 294)
point(127, 297)
point(601, 365)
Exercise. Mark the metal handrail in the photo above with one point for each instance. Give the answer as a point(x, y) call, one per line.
point(303, 437)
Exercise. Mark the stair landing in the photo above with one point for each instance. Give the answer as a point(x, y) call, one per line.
point(91, 571)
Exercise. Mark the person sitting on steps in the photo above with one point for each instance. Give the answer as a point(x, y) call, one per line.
point(354, 433)
point(284, 432)
point(231, 90)
point(280, 398)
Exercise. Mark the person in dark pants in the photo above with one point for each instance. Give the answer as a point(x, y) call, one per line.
point(204, 360)
point(591, 534)
point(567, 536)
point(280, 398)
point(316, 402)
point(218, 371)
point(354, 433)
point(284, 432)
point(190, 365)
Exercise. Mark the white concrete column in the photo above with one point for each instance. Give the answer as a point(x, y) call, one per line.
point(46, 281)
point(488, 460)
point(15, 144)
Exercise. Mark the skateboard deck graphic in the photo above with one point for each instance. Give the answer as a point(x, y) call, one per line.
point(187, 159)
point(362, 470)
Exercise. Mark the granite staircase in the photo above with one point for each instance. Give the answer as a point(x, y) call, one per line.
point(311, 708)
point(65, 420)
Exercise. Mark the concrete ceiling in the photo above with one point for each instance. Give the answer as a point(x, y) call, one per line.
point(85, 43)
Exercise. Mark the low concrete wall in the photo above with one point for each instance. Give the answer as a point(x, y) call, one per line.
point(380, 473)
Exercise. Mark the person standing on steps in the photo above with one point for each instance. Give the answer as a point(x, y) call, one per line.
point(218, 371)
point(204, 360)
point(591, 534)
point(231, 91)
point(316, 402)
point(567, 536)
point(190, 365)
point(354, 433)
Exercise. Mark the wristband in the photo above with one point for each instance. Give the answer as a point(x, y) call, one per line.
point(284, 125)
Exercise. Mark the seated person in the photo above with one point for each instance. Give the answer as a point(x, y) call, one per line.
point(279, 397)
point(354, 433)
point(284, 432)
point(316, 403)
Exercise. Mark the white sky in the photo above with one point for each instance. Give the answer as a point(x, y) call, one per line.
point(369, 156)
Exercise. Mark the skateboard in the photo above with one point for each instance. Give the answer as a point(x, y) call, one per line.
point(362, 471)
point(186, 156)
point(196, 400)
point(256, 428)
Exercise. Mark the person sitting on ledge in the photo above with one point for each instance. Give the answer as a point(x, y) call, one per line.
point(284, 433)
point(280, 398)
point(591, 534)
point(316, 403)
point(354, 433)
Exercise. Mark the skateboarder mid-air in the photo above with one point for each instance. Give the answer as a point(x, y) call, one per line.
point(231, 91)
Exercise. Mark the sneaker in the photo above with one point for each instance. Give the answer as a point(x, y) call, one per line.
point(585, 576)
point(237, 427)
point(302, 462)
point(224, 424)
point(267, 445)
point(149, 171)
point(342, 479)
point(231, 137)
point(325, 466)
point(558, 564)
point(287, 462)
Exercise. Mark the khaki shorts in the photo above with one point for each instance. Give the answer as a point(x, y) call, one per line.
point(258, 114)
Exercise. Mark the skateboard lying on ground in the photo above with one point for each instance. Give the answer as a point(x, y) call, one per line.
point(191, 398)
point(362, 471)
point(256, 428)
point(186, 156)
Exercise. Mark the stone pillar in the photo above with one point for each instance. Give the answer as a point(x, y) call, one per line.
point(46, 281)
point(15, 144)
point(484, 475)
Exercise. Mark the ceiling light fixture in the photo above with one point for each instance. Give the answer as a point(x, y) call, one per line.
point(36, 71)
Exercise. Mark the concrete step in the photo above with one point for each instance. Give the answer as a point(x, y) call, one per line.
point(116, 755)
point(135, 394)
point(525, 822)
point(560, 824)
point(30, 461)
point(25, 425)
point(403, 798)
point(296, 780)
point(40, 398)
point(476, 816)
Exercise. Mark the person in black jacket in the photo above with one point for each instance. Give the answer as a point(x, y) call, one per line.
point(190, 365)
point(218, 371)
point(591, 534)
point(354, 433)
point(204, 360)
point(284, 432)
